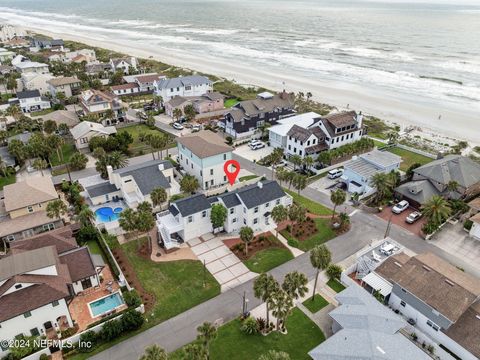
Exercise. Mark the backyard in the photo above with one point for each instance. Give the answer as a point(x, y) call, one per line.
point(138, 147)
point(311, 206)
point(231, 343)
point(230, 102)
point(10, 179)
point(409, 158)
point(67, 151)
point(323, 234)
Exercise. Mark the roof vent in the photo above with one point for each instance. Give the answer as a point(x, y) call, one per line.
point(398, 264)
point(260, 185)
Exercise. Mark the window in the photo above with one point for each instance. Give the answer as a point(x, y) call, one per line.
point(289, 147)
point(190, 219)
point(255, 221)
point(211, 171)
point(204, 213)
point(187, 161)
point(429, 323)
point(48, 227)
point(308, 143)
point(404, 290)
point(224, 156)
point(55, 303)
point(188, 88)
point(299, 152)
point(18, 286)
point(267, 205)
point(10, 237)
point(232, 210)
point(86, 283)
point(255, 210)
point(234, 220)
point(181, 156)
point(34, 332)
point(277, 202)
point(244, 210)
point(244, 222)
point(435, 327)
point(225, 178)
point(27, 314)
point(30, 209)
point(403, 303)
point(201, 173)
point(192, 165)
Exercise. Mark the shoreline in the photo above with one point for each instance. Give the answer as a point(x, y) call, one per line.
point(392, 111)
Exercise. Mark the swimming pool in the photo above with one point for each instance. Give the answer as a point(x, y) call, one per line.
point(105, 304)
point(107, 214)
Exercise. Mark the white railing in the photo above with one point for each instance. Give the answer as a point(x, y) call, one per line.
point(167, 240)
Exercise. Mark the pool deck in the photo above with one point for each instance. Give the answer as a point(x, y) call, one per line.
point(78, 307)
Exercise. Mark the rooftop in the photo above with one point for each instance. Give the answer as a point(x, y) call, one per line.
point(28, 94)
point(382, 158)
point(33, 191)
point(59, 81)
point(85, 127)
point(204, 144)
point(11, 226)
point(193, 80)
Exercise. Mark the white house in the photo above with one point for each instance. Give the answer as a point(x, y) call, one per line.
point(358, 172)
point(203, 155)
point(86, 130)
point(250, 206)
point(35, 81)
point(69, 86)
point(342, 128)
point(124, 64)
point(194, 85)
point(96, 102)
point(78, 56)
point(277, 134)
point(134, 183)
point(18, 59)
point(6, 55)
point(475, 229)
point(9, 32)
point(32, 67)
point(31, 101)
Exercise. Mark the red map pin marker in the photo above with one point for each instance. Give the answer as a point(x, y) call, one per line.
point(231, 175)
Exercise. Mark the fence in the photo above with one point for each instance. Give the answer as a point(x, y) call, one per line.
point(417, 151)
point(221, 189)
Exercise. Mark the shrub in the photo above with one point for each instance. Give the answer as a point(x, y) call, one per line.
point(289, 228)
point(334, 271)
point(249, 326)
point(87, 233)
point(88, 340)
point(229, 140)
point(132, 299)
point(467, 225)
point(293, 243)
point(68, 332)
point(43, 357)
point(261, 324)
point(132, 320)
point(111, 330)
point(429, 228)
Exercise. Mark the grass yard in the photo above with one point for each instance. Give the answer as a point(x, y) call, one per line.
point(95, 249)
point(409, 158)
point(230, 102)
point(138, 147)
point(317, 304)
point(7, 180)
point(314, 178)
point(67, 150)
point(248, 177)
point(325, 233)
point(335, 285)
point(42, 112)
point(379, 144)
point(311, 206)
point(177, 285)
point(231, 343)
point(268, 259)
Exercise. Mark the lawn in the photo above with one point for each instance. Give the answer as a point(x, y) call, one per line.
point(177, 285)
point(7, 180)
point(317, 304)
point(311, 206)
point(248, 177)
point(267, 259)
point(67, 150)
point(303, 335)
point(314, 178)
point(138, 147)
point(325, 233)
point(335, 285)
point(95, 249)
point(230, 102)
point(409, 158)
point(42, 112)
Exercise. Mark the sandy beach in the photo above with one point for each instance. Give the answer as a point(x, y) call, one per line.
point(440, 123)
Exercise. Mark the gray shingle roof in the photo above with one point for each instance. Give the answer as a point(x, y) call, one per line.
point(230, 199)
point(101, 189)
point(420, 191)
point(253, 195)
point(28, 94)
point(192, 205)
point(147, 175)
point(193, 80)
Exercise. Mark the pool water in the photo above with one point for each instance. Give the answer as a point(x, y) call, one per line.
point(107, 214)
point(105, 304)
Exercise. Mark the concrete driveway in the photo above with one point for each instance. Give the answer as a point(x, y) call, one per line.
point(399, 220)
point(245, 152)
point(323, 184)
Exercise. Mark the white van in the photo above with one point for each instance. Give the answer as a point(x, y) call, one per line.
point(335, 173)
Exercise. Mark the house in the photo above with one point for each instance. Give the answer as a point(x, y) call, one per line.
point(42, 44)
point(6, 55)
point(124, 64)
point(194, 85)
point(475, 229)
point(79, 56)
point(305, 142)
point(6, 69)
point(98, 69)
point(203, 155)
point(7, 159)
point(18, 59)
point(67, 117)
point(442, 301)
point(31, 101)
point(69, 86)
point(39, 278)
point(364, 329)
point(251, 206)
point(125, 89)
point(31, 67)
point(35, 81)
point(342, 128)
point(212, 101)
point(146, 82)
point(24, 216)
point(86, 130)
point(9, 32)
point(134, 183)
point(247, 116)
point(358, 172)
point(17, 42)
point(433, 178)
point(277, 134)
point(97, 103)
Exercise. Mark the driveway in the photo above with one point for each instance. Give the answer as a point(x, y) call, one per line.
point(399, 220)
point(324, 184)
point(252, 155)
point(222, 263)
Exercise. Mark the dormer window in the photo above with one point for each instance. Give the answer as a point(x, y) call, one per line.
point(18, 286)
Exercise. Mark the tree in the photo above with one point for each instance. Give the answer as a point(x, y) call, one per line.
point(334, 271)
point(263, 129)
point(158, 196)
point(206, 333)
point(320, 258)
point(299, 182)
point(337, 197)
point(177, 114)
point(295, 284)
point(246, 235)
point(218, 215)
point(296, 160)
point(264, 286)
point(452, 187)
point(437, 209)
point(128, 220)
point(410, 170)
point(194, 352)
point(297, 213)
point(275, 157)
point(279, 214)
point(49, 126)
point(281, 304)
point(189, 112)
point(78, 161)
point(274, 355)
point(56, 208)
point(189, 184)
point(384, 184)
point(392, 137)
point(40, 164)
point(85, 215)
point(308, 162)
point(114, 159)
point(154, 352)
point(344, 219)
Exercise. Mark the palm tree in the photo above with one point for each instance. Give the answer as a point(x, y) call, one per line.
point(264, 286)
point(380, 183)
point(337, 197)
point(128, 220)
point(55, 142)
point(189, 184)
point(117, 160)
point(279, 214)
point(296, 160)
point(263, 128)
point(14, 110)
point(206, 333)
point(281, 174)
point(436, 209)
point(158, 196)
point(3, 168)
point(246, 235)
point(194, 352)
point(40, 164)
point(177, 114)
point(299, 182)
point(154, 352)
point(392, 137)
point(295, 284)
point(320, 258)
point(344, 219)
point(56, 208)
point(308, 162)
point(275, 157)
point(281, 304)
point(452, 187)
point(85, 215)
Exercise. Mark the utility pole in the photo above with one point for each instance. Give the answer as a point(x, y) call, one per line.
point(389, 225)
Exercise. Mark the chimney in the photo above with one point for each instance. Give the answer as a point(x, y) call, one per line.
point(260, 185)
point(110, 171)
point(359, 119)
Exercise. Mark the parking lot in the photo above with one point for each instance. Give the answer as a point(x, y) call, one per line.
point(399, 219)
point(253, 155)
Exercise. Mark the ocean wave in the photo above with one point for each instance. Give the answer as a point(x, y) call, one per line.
point(207, 31)
point(441, 79)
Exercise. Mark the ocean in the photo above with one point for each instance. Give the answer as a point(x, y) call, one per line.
point(425, 52)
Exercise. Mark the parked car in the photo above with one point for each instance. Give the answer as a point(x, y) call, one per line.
point(177, 126)
point(196, 128)
point(335, 173)
point(414, 216)
point(257, 145)
point(253, 142)
point(400, 207)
